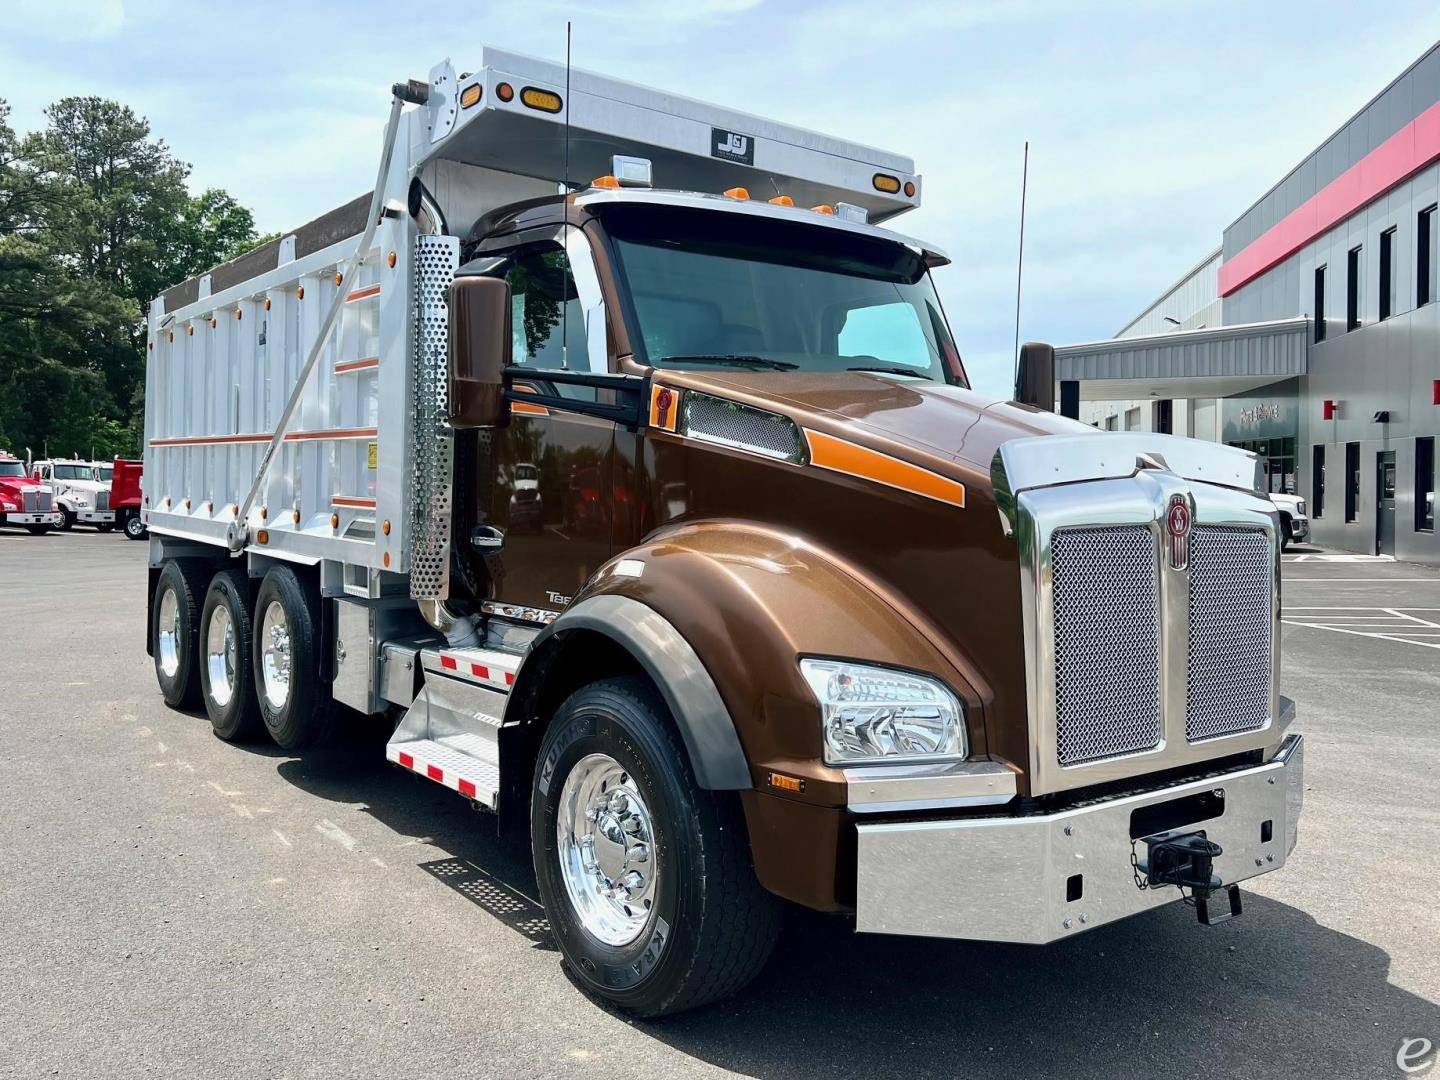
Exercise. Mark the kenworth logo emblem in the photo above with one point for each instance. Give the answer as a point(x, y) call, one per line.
point(1177, 523)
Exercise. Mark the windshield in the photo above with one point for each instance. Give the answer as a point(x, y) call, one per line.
point(727, 290)
point(11, 468)
point(104, 473)
point(526, 472)
point(72, 472)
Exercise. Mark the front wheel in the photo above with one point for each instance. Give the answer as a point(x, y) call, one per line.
point(645, 876)
point(68, 520)
point(1287, 535)
point(134, 526)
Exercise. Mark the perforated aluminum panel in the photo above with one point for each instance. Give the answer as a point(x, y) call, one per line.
point(436, 258)
point(1107, 642)
point(1228, 680)
point(717, 420)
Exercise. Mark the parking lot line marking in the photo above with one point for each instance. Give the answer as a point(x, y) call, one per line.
point(1416, 618)
point(1367, 633)
point(1367, 580)
point(328, 829)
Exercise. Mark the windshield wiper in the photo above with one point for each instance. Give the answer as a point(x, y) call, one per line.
point(883, 370)
point(730, 359)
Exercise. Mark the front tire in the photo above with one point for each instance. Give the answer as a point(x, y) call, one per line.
point(105, 526)
point(293, 696)
point(1286, 533)
point(645, 876)
point(38, 530)
point(174, 622)
point(227, 681)
point(68, 521)
point(134, 526)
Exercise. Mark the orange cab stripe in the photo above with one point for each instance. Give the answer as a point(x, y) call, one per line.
point(841, 456)
point(524, 408)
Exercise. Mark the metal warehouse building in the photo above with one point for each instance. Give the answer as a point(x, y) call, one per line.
point(1312, 335)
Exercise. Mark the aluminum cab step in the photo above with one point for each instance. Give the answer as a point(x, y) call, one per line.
point(451, 732)
point(468, 764)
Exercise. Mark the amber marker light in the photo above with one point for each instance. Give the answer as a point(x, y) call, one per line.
point(737, 193)
point(237, 313)
point(263, 536)
point(782, 200)
point(505, 92)
point(334, 521)
point(385, 527)
point(267, 303)
point(544, 100)
point(339, 277)
point(823, 208)
point(909, 189)
point(886, 183)
point(390, 260)
point(609, 183)
point(470, 96)
point(787, 783)
point(300, 292)
point(385, 558)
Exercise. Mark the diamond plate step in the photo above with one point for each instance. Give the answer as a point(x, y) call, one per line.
point(468, 764)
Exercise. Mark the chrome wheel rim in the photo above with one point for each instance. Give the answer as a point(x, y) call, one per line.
point(606, 844)
point(275, 654)
point(220, 658)
point(167, 633)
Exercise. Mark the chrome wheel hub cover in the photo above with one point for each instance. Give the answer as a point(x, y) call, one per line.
point(220, 656)
point(275, 654)
point(606, 844)
point(167, 633)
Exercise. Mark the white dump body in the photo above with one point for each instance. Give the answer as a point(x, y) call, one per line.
point(225, 349)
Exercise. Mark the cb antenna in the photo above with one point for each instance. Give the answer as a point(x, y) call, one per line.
point(567, 280)
point(567, 106)
point(1020, 261)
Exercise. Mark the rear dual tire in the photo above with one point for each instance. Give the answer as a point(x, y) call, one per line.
point(226, 675)
point(292, 692)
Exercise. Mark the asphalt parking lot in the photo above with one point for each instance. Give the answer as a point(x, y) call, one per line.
point(171, 905)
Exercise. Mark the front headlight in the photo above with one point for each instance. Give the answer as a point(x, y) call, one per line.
point(78, 499)
point(873, 715)
point(1300, 507)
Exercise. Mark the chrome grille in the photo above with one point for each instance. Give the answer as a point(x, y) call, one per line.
point(731, 424)
point(102, 501)
point(38, 502)
point(1106, 596)
point(1229, 652)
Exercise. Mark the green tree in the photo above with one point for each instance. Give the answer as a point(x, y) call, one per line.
point(95, 221)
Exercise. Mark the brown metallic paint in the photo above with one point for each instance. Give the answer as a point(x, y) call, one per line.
point(758, 562)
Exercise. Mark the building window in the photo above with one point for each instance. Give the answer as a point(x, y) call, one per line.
point(1320, 303)
point(1317, 481)
point(1352, 289)
point(1425, 484)
point(1425, 261)
point(1387, 273)
point(1132, 419)
point(1352, 481)
point(1110, 423)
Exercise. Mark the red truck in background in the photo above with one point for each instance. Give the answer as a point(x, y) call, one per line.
point(125, 498)
point(25, 501)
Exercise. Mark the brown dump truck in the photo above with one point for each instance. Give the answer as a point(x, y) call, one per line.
point(665, 524)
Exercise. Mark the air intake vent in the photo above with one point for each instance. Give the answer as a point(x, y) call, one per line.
point(1107, 643)
point(1228, 680)
point(712, 419)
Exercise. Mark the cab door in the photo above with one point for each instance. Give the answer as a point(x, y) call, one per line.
point(544, 480)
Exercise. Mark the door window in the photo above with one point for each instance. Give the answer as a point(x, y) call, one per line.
point(547, 319)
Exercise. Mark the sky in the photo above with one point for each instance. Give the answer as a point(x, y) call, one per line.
point(1151, 126)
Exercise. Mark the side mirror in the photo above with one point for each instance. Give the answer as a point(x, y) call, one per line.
point(479, 352)
point(1035, 381)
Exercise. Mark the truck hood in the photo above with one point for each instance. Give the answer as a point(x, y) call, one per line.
point(91, 486)
point(945, 422)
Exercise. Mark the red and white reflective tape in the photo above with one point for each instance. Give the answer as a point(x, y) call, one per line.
point(407, 760)
point(491, 673)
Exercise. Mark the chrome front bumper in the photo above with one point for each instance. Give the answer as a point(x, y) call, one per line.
point(94, 517)
point(1007, 878)
point(10, 517)
point(1299, 528)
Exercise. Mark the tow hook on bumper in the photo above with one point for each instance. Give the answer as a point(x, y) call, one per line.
point(1037, 878)
point(1186, 860)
